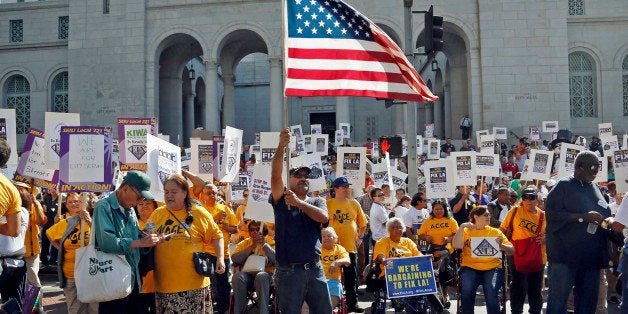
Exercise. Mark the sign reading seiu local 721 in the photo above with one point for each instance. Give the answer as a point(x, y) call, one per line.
point(409, 276)
point(85, 159)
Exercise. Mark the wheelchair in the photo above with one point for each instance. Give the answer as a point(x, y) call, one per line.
point(503, 296)
point(252, 304)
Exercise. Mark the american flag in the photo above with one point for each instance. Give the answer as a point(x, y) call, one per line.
point(334, 50)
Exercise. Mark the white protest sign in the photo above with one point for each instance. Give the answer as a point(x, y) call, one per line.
point(231, 154)
point(605, 129)
point(419, 145)
point(478, 135)
point(487, 165)
point(602, 174)
point(86, 158)
point(620, 159)
point(352, 165)
point(379, 174)
point(567, 159)
point(35, 163)
point(316, 129)
point(465, 168)
point(484, 247)
point(8, 133)
point(398, 178)
point(624, 144)
point(610, 144)
point(429, 130)
point(433, 149)
point(307, 144)
point(500, 133)
point(338, 138)
point(487, 144)
point(163, 160)
point(534, 132)
point(550, 126)
point(202, 160)
point(527, 167)
point(52, 133)
point(297, 131)
point(541, 164)
point(236, 190)
point(268, 144)
point(320, 143)
point(439, 180)
point(260, 192)
point(346, 129)
point(317, 176)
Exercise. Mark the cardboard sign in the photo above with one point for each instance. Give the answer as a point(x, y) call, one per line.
point(620, 160)
point(163, 160)
point(132, 141)
point(397, 177)
point(260, 192)
point(541, 164)
point(352, 165)
point(602, 174)
point(236, 190)
point(439, 175)
point(484, 247)
point(85, 159)
point(338, 138)
point(605, 129)
point(346, 129)
point(219, 147)
point(478, 135)
point(465, 168)
point(8, 133)
point(550, 126)
point(231, 155)
point(487, 165)
point(268, 145)
point(320, 143)
point(487, 144)
point(54, 122)
point(297, 131)
point(610, 144)
point(500, 133)
point(409, 276)
point(534, 133)
point(202, 159)
point(567, 159)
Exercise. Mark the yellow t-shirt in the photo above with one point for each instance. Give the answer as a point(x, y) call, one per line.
point(10, 200)
point(243, 228)
point(480, 263)
point(524, 225)
point(391, 249)
point(346, 218)
point(174, 269)
point(148, 281)
point(231, 221)
point(330, 256)
point(439, 228)
point(70, 244)
point(31, 239)
point(258, 250)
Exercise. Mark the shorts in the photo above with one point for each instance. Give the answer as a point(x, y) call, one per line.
point(335, 287)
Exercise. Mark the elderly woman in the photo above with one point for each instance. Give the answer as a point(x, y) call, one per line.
point(179, 287)
point(65, 236)
point(486, 271)
point(333, 256)
point(524, 221)
point(394, 245)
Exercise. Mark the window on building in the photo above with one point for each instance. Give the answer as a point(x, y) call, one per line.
point(17, 31)
point(624, 68)
point(18, 97)
point(576, 7)
point(582, 85)
point(60, 92)
point(105, 6)
point(64, 27)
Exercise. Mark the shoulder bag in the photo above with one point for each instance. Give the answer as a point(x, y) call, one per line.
point(528, 256)
point(508, 232)
point(202, 260)
point(100, 276)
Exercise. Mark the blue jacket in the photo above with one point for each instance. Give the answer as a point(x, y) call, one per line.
point(115, 228)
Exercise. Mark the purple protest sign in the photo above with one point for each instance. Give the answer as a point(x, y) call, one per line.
point(85, 159)
point(32, 164)
point(132, 141)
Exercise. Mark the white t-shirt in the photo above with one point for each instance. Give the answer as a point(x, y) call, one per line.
point(415, 216)
point(377, 221)
point(400, 211)
point(9, 244)
point(503, 212)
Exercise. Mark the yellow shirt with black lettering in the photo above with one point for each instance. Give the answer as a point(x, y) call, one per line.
point(216, 213)
point(525, 225)
point(346, 218)
point(330, 256)
point(148, 281)
point(258, 250)
point(243, 223)
point(391, 249)
point(70, 244)
point(31, 239)
point(10, 200)
point(174, 269)
point(481, 263)
point(439, 228)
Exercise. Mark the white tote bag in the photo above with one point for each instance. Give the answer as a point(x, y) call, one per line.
point(100, 276)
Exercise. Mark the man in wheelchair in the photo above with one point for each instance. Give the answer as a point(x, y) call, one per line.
point(256, 257)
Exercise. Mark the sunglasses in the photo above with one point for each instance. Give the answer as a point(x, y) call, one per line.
point(528, 197)
point(300, 175)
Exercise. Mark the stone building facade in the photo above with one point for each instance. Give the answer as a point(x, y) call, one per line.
point(212, 63)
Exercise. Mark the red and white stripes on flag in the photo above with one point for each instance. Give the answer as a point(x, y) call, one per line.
point(333, 50)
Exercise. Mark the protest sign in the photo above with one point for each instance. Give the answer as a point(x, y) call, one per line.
point(500, 133)
point(32, 163)
point(487, 144)
point(429, 130)
point(164, 137)
point(541, 164)
point(605, 129)
point(317, 176)
point(85, 159)
point(465, 168)
point(624, 144)
point(534, 132)
point(620, 159)
point(320, 143)
point(567, 159)
point(433, 149)
point(602, 174)
point(231, 155)
point(202, 159)
point(379, 174)
point(346, 129)
point(398, 178)
point(163, 160)
point(375, 150)
point(204, 135)
point(316, 129)
point(8, 133)
point(352, 165)
point(439, 178)
point(219, 145)
point(260, 192)
point(268, 145)
point(610, 144)
point(297, 131)
point(484, 247)
point(527, 167)
point(53, 124)
point(307, 144)
point(550, 126)
point(338, 138)
point(487, 165)
point(132, 141)
point(419, 145)
point(409, 276)
point(236, 190)
point(478, 135)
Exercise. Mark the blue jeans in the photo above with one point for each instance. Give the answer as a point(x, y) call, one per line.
point(491, 280)
point(295, 284)
point(585, 283)
point(623, 268)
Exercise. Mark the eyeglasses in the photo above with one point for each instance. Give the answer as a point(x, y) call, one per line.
point(379, 195)
point(528, 197)
point(300, 175)
point(254, 230)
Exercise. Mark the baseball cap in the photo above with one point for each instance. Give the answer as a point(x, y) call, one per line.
point(21, 184)
point(341, 181)
point(141, 182)
point(297, 169)
point(528, 191)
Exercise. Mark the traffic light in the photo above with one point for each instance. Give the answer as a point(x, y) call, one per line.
point(433, 31)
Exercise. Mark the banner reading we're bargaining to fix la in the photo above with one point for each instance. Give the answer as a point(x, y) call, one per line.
point(85, 159)
point(132, 141)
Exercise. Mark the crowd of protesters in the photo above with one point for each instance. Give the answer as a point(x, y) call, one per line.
point(321, 241)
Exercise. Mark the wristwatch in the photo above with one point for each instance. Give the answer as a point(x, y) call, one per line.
point(580, 219)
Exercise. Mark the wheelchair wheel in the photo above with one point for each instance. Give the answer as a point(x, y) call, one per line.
point(378, 307)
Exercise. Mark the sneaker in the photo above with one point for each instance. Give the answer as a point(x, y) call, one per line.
point(614, 300)
point(355, 309)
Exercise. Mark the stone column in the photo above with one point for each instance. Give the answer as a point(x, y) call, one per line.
point(212, 111)
point(275, 105)
point(188, 119)
point(449, 123)
point(399, 118)
point(228, 106)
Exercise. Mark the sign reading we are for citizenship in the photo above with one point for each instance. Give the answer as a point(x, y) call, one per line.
point(409, 276)
point(85, 159)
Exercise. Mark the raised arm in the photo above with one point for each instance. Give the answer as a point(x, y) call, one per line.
point(197, 183)
point(276, 179)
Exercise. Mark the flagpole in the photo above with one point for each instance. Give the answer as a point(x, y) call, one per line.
point(285, 75)
point(410, 107)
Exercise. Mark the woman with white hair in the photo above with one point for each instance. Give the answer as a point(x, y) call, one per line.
point(333, 256)
point(394, 245)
